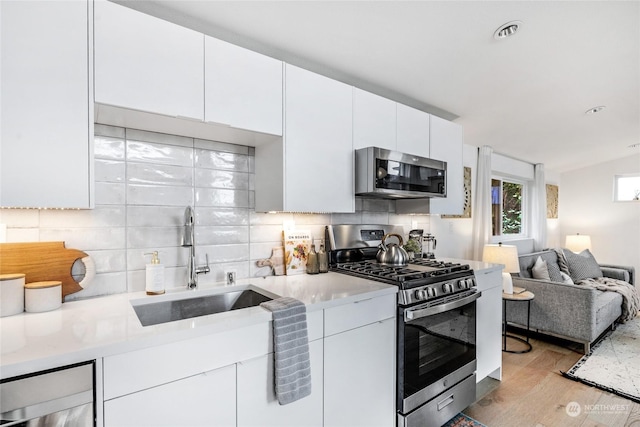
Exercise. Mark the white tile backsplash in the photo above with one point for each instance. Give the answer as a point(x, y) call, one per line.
point(143, 183)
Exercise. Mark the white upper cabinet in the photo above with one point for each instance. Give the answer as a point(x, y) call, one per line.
point(446, 144)
point(145, 63)
point(374, 121)
point(311, 169)
point(47, 107)
point(412, 131)
point(243, 88)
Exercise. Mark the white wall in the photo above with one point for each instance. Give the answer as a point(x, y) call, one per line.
point(586, 206)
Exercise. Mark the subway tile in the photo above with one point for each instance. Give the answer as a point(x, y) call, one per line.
point(225, 253)
point(164, 154)
point(211, 178)
point(347, 218)
point(218, 160)
point(138, 258)
point(108, 148)
point(222, 216)
point(213, 235)
point(375, 217)
point(153, 237)
point(101, 216)
point(16, 235)
point(109, 261)
point(205, 144)
point(158, 138)
point(217, 273)
point(279, 218)
point(102, 284)
point(222, 197)
point(313, 219)
point(109, 193)
point(109, 171)
point(20, 218)
point(266, 233)
point(252, 163)
point(86, 239)
point(108, 130)
point(262, 250)
point(159, 195)
point(155, 216)
point(156, 174)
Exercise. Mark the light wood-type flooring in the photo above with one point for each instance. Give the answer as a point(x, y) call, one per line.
point(534, 393)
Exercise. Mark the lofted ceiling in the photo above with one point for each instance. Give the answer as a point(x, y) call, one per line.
point(526, 96)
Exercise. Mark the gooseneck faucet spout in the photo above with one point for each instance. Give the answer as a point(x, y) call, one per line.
point(188, 241)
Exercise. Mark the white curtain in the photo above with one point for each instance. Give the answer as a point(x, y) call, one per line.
point(481, 213)
point(539, 208)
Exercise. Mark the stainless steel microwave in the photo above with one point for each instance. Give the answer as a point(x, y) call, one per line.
point(394, 175)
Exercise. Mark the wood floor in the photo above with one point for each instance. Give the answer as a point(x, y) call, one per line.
point(534, 393)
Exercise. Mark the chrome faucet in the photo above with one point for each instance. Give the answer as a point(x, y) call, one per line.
point(188, 241)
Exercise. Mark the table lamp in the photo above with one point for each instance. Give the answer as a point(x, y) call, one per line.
point(506, 255)
point(578, 242)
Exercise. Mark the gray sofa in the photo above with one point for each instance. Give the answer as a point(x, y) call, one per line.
point(574, 312)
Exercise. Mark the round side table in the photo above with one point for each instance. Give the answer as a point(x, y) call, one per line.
point(527, 297)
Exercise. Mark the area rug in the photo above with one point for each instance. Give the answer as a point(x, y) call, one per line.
point(613, 364)
point(461, 420)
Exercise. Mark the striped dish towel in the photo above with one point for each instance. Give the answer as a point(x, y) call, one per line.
point(290, 349)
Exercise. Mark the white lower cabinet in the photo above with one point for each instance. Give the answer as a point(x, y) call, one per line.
point(359, 378)
point(489, 325)
point(257, 402)
point(207, 399)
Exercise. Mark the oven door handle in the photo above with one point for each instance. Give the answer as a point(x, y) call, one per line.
point(417, 313)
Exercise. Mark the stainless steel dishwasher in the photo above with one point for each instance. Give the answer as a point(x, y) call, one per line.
point(53, 398)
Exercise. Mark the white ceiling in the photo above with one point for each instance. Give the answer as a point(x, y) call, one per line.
point(525, 96)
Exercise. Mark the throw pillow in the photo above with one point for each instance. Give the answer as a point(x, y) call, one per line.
point(582, 265)
point(540, 270)
point(566, 279)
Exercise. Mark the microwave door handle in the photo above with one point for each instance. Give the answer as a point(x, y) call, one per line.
point(417, 313)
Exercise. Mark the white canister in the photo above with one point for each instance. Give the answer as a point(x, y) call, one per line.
point(42, 296)
point(11, 294)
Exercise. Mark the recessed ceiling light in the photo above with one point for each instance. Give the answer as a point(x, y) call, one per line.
point(595, 109)
point(636, 145)
point(507, 30)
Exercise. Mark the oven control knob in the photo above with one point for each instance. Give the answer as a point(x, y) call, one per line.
point(462, 284)
point(422, 294)
point(447, 288)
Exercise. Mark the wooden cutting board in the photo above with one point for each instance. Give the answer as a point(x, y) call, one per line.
point(42, 261)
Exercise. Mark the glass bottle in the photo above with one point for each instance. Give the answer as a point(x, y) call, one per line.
point(312, 260)
point(323, 260)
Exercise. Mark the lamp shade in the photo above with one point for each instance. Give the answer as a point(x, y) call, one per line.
point(578, 242)
point(502, 254)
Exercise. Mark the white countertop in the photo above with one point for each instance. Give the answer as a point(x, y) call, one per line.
point(93, 328)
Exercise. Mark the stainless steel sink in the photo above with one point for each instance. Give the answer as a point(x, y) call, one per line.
point(154, 313)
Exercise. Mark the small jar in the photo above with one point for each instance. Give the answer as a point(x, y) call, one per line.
point(312, 261)
point(11, 294)
point(42, 296)
point(323, 260)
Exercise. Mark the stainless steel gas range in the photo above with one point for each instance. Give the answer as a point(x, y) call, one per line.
point(436, 324)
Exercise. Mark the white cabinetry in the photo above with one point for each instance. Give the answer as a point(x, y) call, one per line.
point(359, 360)
point(206, 399)
point(311, 170)
point(243, 89)
point(412, 131)
point(374, 121)
point(257, 402)
point(47, 105)
point(446, 145)
point(489, 324)
point(148, 64)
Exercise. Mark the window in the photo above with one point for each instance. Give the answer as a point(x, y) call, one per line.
point(507, 210)
point(626, 188)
